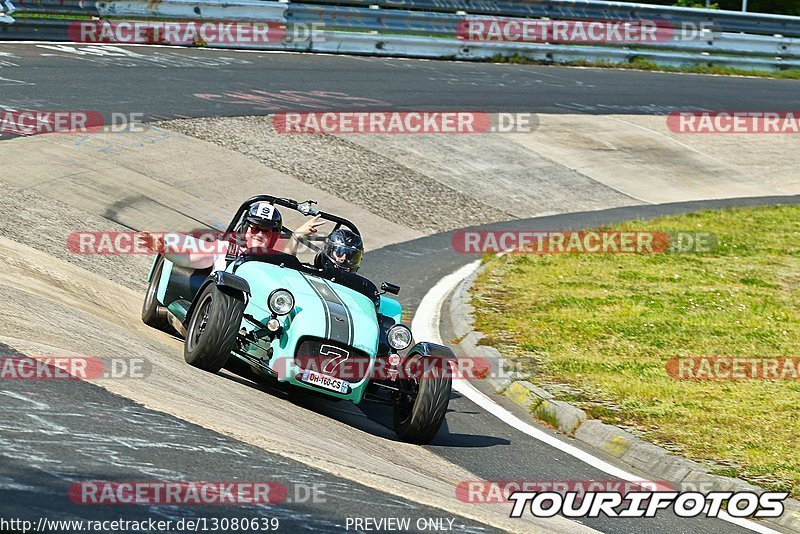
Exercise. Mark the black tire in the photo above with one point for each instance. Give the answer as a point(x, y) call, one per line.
point(150, 305)
point(213, 328)
point(417, 419)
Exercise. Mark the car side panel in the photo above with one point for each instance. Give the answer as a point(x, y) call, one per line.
point(166, 272)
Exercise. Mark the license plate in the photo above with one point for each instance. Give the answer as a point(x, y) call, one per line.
point(325, 381)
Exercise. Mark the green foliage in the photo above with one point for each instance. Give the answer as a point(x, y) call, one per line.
point(697, 3)
point(778, 7)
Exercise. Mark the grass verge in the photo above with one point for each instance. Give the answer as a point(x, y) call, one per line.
point(638, 63)
point(598, 330)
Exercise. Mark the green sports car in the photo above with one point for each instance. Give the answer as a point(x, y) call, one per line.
point(304, 324)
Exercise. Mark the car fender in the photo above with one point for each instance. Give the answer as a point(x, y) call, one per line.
point(230, 281)
point(391, 308)
point(155, 261)
point(432, 350)
point(227, 282)
point(425, 357)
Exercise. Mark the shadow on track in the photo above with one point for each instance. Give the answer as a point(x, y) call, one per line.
point(372, 417)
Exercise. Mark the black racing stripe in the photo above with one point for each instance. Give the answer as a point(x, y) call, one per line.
point(325, 307)
point(351, 332)
point(338, 317)
point(340, 326)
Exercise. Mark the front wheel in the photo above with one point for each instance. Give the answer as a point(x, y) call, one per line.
point(421, 408)
point(213, 328)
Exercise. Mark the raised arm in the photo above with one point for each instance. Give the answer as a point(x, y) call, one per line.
point(192, 260)
point(306, 229)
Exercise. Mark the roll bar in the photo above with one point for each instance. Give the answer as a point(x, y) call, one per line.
point(306, 208)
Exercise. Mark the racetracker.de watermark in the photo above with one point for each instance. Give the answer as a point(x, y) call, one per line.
point(197, 243)
point(341, 366)
point(581, 242)
point(177, 493)
point(30, 122)
point(718, 368)
point(73, 368)
point(734, 122)
point(34, 122)
point(403, 122)
point(191, 33)
point(579, 31)
point(566, 31)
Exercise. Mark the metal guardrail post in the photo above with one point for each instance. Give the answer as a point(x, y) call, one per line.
point(6, 8)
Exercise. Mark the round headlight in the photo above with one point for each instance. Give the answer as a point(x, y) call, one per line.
point(280, 302)
point(399, 337)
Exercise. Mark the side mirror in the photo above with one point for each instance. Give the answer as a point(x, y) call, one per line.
point(386, 287)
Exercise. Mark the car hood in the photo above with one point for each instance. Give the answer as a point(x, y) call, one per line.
point(323, 309)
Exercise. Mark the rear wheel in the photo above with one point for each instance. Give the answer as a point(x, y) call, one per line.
point(421, 408)
point(150, 305)
point(213, 328)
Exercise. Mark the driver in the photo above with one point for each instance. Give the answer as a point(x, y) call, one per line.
point(343, 249)
point(261, 228)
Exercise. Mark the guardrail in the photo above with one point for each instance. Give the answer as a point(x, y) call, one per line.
point(446, 25)
point(717, 20)
point(356, 29)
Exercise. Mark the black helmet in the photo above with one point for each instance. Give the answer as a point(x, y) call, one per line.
point(264, 216)
point(343, 249)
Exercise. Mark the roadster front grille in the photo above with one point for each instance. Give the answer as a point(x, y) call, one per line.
point(333, 359)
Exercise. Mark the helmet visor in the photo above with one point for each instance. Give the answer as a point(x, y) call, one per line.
point(348, 258)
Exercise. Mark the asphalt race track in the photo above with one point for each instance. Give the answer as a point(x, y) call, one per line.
point(112, 438)
point(164, 83)
point(168, 83)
